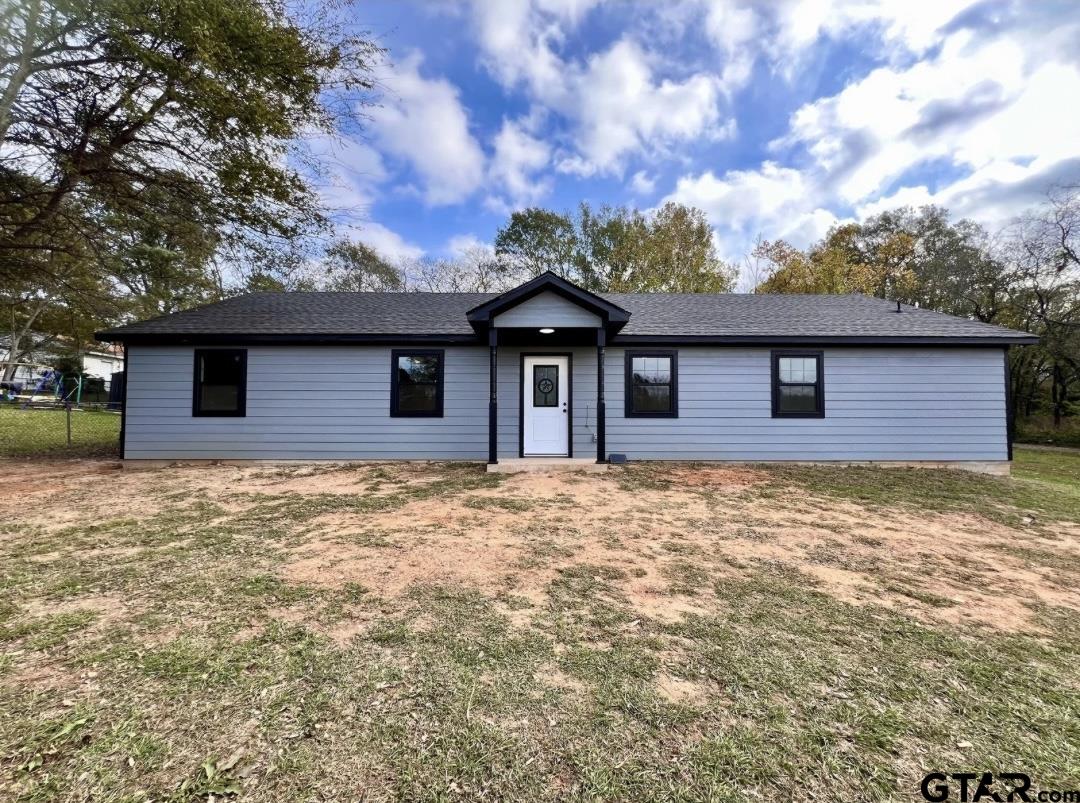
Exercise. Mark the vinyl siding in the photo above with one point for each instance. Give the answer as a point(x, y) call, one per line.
point(305, 403)
point(334, 403)
point(547, 309)
point(880, 404)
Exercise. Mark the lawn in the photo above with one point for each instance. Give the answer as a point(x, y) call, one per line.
point(44, 432)
point(659, 632)
point(1041, 429)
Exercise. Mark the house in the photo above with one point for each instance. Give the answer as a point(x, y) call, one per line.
point(549, 369)
point(26, 367)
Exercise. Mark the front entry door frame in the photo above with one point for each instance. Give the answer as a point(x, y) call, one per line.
point(569, 357)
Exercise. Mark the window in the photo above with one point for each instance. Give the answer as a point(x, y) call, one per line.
point(220, 382)
point(416, 383)
point(798, 384)
point(652, 384)
point(545, 386)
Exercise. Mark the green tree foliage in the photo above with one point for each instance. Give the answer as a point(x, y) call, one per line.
point(144, 143)
point(357, 267)
point(535, 240)
point(617, 249)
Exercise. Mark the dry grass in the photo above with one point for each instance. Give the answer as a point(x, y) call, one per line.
point(322, 632)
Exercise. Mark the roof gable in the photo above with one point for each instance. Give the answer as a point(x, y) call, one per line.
point(611, 315)
point(547, 309)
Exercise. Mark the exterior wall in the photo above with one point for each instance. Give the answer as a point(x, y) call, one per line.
point(932, 404)
point(880, 404)
point(304, 403)
point(546, 309)
point(583, 398)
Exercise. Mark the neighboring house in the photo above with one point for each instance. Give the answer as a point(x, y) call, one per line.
point(101, 363)
point(549, 369)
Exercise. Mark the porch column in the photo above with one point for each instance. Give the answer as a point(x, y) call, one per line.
point(493, 401)
point(601, 412)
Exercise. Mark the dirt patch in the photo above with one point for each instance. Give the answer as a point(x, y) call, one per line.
point(680, 690)
point(717, 476)
point(903, 561)
point(664, 545)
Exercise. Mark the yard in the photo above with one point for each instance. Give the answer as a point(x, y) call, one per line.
point(35, 431)
point(420, 631)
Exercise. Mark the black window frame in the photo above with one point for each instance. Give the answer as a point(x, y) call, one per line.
point(819, 385)
point(241, 388)
point(395, 355)
point(628, 390)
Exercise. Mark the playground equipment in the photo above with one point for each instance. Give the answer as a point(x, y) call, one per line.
point(55, 379)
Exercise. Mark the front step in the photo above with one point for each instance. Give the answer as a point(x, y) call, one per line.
point(517, 465)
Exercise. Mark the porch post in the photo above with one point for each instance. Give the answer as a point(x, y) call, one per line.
point(601, 412)
point(493, 402)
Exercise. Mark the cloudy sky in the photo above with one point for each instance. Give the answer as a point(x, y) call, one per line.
point(777, 118)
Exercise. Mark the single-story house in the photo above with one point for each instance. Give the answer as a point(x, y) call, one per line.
point(549, 369)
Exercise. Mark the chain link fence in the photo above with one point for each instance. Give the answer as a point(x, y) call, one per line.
point(57, 429)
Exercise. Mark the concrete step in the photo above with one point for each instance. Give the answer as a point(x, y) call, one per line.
point(516, 465)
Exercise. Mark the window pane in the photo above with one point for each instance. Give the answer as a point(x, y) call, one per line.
point(219, 398)
point(798, 369)
point(652, 370)
point(221, 373)
point(417, 398)
point(418, 368)
point(798, 398)
point(545, 386)
point(418, 383)
point(652, 398)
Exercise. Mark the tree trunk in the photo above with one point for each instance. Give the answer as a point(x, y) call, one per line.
point(11, 91)
point(1057, 395)
point(15, 350)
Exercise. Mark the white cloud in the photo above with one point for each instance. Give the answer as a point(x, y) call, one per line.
point(353, 171)
point(612, 103)
point(464, 243)
point(620, 108)
point(642, 183)
point(388, 243)
point(774, 202)
point(783, 31)
point(518, 157)
point(423, 122)
point(990, 108)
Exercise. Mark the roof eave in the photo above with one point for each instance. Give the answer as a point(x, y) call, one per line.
point(850, 340)
point(392, 338)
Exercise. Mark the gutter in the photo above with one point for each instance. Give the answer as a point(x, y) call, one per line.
point(331, 339)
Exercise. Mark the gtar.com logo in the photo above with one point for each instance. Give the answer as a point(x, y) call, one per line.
point(1004, 787)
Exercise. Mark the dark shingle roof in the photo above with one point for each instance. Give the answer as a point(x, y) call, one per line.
point(652, 315)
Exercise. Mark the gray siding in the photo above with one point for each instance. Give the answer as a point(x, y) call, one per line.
point(304, 403)
point(880, 404)
point(546, 309)
point(334, 403)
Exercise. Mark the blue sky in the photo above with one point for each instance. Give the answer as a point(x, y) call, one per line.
point(779, 119)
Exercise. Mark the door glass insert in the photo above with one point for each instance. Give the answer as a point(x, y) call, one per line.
point(545, 386)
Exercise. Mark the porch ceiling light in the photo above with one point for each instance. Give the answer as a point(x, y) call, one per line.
point(546, 331)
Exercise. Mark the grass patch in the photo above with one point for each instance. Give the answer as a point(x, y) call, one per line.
point(40, 432)
point(1041, 430)
point(1042, 483)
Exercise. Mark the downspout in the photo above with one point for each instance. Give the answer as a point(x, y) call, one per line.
point(1010, 413)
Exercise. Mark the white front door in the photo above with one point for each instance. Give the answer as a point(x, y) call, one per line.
point(545, 396)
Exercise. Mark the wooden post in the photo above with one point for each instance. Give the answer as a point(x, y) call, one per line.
point(493, 402)
point(601, 412)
